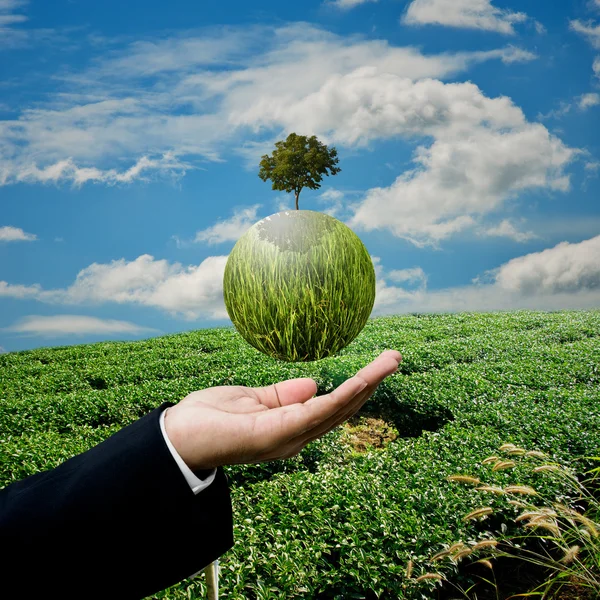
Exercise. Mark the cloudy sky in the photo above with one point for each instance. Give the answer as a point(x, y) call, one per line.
point(130, 137)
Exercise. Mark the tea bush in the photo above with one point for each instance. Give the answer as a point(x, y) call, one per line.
point(332, 522)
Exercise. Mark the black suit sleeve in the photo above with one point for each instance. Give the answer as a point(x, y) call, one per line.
point(117, 521)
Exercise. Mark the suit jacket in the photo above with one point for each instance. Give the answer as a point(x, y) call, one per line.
point(118, 521)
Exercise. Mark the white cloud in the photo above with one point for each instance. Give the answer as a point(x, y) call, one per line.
point(229, 230)
point(8, 290)
point(507, 229)
point(414, 275)
point(347, 4)
point(589, 30)
point(475, 152)
point(596, 66)
point(367, 104)
point(3, 350)
point(197, 100)
point(582, 103)
point(183, 291)
point(13, 36)
point(471, 14)
point(588, 100)
point(566, 276)
point(8, 18)
point(468, 171)
point(63, 325)
point(67, 171)
point(566, 268)
point(15, 234)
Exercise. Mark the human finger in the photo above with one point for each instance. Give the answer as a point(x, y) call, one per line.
point(294, 391)
point(297, 419)
point(340, 417)
point(330, 424)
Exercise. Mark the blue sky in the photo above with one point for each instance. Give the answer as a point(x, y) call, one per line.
point(130, 137)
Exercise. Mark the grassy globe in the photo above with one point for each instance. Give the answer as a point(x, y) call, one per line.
point(299, 285)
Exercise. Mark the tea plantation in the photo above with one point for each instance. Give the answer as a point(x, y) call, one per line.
point(334, 522)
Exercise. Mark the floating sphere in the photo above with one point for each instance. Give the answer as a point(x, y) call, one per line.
point(299, 285)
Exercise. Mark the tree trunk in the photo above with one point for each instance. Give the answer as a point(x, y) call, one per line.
point(297, 194)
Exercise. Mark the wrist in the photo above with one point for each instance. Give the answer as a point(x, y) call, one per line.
point(177, 431)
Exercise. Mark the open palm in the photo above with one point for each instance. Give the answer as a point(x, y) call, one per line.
point(237, 424)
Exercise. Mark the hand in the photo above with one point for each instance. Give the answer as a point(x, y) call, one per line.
point(228, 425)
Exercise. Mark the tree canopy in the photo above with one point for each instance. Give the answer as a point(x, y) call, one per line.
point(298, 162)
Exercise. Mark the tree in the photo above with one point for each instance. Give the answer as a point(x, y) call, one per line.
point(298, 162)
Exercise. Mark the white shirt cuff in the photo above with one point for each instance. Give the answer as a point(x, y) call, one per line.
point(196, 484)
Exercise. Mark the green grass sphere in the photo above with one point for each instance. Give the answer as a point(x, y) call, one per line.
point(299, 285)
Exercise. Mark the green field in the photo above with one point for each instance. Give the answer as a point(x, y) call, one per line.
point(334, 522)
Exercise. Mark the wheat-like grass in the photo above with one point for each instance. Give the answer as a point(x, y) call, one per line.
point(485, 544)
point(409, 569)
point(544, 523)
point(503, 464)
point(517, 451)
point(520, 489)
point(570, 555)
point(491, 488)
point(480, 512)
point(542, 468)
point(505, 447)
point(536, 453)
point(463, 479)
point(487, 563)
point(577, 516)
point(440, 555)
point(529, 515)
point(455, 547)
point(461, 554)
point(490, 459)
point(429, 576)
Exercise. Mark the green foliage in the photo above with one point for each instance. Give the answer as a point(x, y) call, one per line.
point(298, 162)
point(330, 522)
point(299, 286)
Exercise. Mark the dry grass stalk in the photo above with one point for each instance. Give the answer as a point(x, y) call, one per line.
point(577, 516)
point(440, 555)
point(464, 479)
point(520, 489)
point(485, 544)
point(570, 555)
point(491, 488)
point(544, 523)
point(503, 464)
point(429, 576)
point(487, 563)
point(529, 515)
point(536, 453)
point(517, 451)
point(542, 468)
point(480, 512)
point(461, 554)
